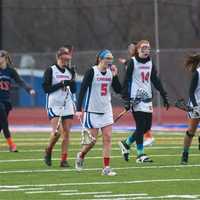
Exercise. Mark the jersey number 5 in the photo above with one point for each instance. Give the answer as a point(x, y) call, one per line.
point(145, 77)
point(103, 89)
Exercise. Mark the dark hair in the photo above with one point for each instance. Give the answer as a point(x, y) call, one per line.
point(62, 50)
point(192, 62)
point(5, 54)
point(69, 46)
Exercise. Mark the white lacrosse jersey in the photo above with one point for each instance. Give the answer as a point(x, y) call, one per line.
point(55, 100)
point(196, 113)
point(98, 97)
point(197, 91)
point(141, 85)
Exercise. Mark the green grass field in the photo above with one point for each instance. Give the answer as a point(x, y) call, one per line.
point(23, 175)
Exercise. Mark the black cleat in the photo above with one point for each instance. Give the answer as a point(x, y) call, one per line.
point(125, 150)
point(64, 163)
point(143, 158)
point(47, 157)
point(184, 158)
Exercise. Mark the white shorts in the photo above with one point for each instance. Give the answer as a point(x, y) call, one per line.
point(144, 107)
point(57, 111)
point(93, 120)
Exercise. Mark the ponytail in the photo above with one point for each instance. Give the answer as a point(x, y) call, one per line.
point(192, 62)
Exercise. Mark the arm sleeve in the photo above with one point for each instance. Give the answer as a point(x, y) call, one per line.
point(157, 82)
point(47, 82)
point(125, 92)
point(193, 86)
point(116, 85)
point(73, 87)
point(87, 81)
point(19, 80)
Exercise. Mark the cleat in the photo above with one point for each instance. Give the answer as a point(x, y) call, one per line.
point(125, 150)
point(47, 157)
point(184, 158)
point(148, 142)
point(13, 148)
point(143, 158)
point(107, 171)
point(79, 163)
point(64, 163)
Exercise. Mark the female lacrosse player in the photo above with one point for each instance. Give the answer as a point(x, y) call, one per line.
point(58, 83)
point(7, 74)
point(192, 64)
point(148, 136)
point(97, 109)
point(137, 93)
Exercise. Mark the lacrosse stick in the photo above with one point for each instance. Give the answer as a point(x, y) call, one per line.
point(180, 103)
point(124, 112)
point(62, 111)
point(86, 137)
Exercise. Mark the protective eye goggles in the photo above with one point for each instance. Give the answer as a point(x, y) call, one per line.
point(3, 53)
point(145, 48)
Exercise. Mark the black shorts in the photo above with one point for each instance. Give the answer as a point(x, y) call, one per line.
point(6, 106)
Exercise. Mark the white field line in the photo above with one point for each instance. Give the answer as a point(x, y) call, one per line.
point(96, 169)
point(51, 191)
point(78, 139)
point(120, 195)
point(93, 157)
point(151, 197)
point(99, 143)
point(20, 189)
point(99, 149)
point(85, 193)
point(106, 183)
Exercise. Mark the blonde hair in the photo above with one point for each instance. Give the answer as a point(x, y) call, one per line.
point(7, 56)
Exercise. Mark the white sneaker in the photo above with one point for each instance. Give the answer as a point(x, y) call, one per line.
point(148, 142)
point(107, 171)
point(79, 162)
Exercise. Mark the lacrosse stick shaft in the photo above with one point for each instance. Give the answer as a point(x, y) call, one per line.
point(121, 115)
point(62, 110)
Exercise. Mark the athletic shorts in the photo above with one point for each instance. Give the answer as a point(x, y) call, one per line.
point(93, 120)
point(67, 113)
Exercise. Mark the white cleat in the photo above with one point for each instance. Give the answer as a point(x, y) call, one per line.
point(124, 150)
point(107, 171)
point(79, 162)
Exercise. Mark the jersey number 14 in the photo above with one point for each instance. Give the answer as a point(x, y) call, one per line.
point(145, 77)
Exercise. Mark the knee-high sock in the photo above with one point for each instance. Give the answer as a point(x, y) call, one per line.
point(130, 139)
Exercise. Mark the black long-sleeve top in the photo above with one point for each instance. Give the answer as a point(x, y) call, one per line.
point(87, 82)
point(128, 78)
point(6, 76)
point(193, 86)
point(47, 85)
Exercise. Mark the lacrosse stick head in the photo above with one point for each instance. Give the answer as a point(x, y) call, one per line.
point(86, 137)
point(180, 103)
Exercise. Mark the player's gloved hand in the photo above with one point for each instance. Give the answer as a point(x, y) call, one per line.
point(127, 104)
point(166, 101)
point(66, 83)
